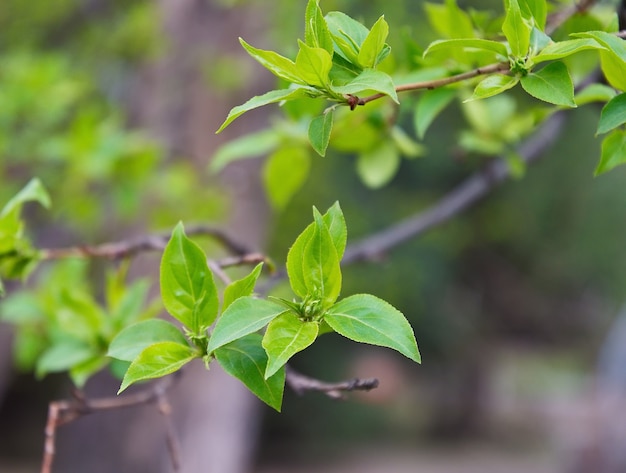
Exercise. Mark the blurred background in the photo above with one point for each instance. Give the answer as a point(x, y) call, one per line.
point(516, 304)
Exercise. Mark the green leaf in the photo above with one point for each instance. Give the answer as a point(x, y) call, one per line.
point(33, 191)
point(156, 361)
point(336, 224)
point(244, 316)
point(284, 173)
point(242, 287)
point(594, 93)
point(565, 48)
point(316, 32)
point(429, 105)
point(272, 96)
point(367, 319)
point(449, 21)
point(613, 59)
point(551, 84)
point(81, 372)
point(313, 65)
point(319, 132)
point(613, 152)
point(62, 356)
point(295, 258)
point(348, 35)
point(245, 147)
point(516, 29)
point(493, 85)
point(369, 80)
point(130, 342)
point(467, 43)
point(187, 287)
point(611, 42)
point(378, 166)
point(278, 65)
point(373, 44)
point(613, 114)
point(286, 335)
point(246, 360)
point(537, 9)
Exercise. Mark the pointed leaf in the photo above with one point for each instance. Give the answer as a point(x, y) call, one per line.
point(313, 65)
point(295, 258)
point(367, 80)
point(493, 85)
point(187, 288)
point(245, 147)
point(467, 43)
point(367, 319)
point(430, 104)
point(244, 316)
point(551, 84)
point(284, 173)
point(33, 191)
point(537, 9)
point(336, 224)
point(348, 35)
point(135, 338)
point(516, 29)
point(373, 44)
point(613, 114)
point(278, 65)
point(613, 152)
point(246, 360)
point(316, 32)
point(319, 132)
point(611, 42)
point(242, 287)
point(565, 48)
point(286, 335)
point(156, 361)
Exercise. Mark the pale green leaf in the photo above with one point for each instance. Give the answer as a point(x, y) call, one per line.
point(63, 355)
point(614, 69)
point(367, 319)
point(319, 132)
point(278, 65)
point(246, 360)
point(316, 32)
point(33, 191)
point(244, 316)
point(516, 29)
point(613, 152)
point(537, 9)
point(369, 80)
point(284, 173)
point(378, 166)
point(245, 147)
point(611, 42)
point(242, 287)
point(493, 85)
point(594, 93)
point(430, 104)
point(565, 48)
point(613, 114)
point(313, 65)
point(551, 84)
point(135, 338)
point(336, 224)
point(295, 257)
point(348, 35)
point(467, 43)
point(373, 44)
point(286, 335)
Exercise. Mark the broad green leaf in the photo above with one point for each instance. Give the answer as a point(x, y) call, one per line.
point(316, 32)
point(246, 360)
point(493, 85)
point(284, 173)
point(130, 342)
point(613, 114)
point(551, 84)
point(295, 257)
point(313, 65)
point(449, 21)
point(336, 224)
point(517, 30)
point(242, 287)
point(467, 43)
point(244, 316)
point(537, 9)
point(367, 80)
point(429, 105)
point(33, 191)
point(322, 274)
point(286, 335)
point(594, 93)
point(62, 356)
point(613, 152)
point(272, 96)
point(611, 42)
point(247, 146)
point(319, 132)
point(278, 65)
point(538, 41)
point(373, 44)
point(187, 288)
point(156, 361)
point(367, 319)
point(348, 35)
point(378, 166)
point(565, 48)
point(614, 69)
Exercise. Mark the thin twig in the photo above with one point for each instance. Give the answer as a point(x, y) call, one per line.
point(301, 384)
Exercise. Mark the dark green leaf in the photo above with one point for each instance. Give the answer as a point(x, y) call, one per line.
point(279, 65)
point(429, 105)
point(516, 29)
point(284, 173)
point(373, 44)
point(493, 85)
point(187, 288)
point(156, 361)
point(367, 319)
point(319, 132)
point(551, 84)
point(286, 335)
point(242, 287)
point(613, 114)
point(247, 146)
point(378, 166)
point(316, 32)
point(244, 316)
point(135, 338)
point(369, 80)
point(613, 151)
point(246, 360)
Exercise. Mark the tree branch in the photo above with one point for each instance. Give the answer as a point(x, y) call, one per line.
point(301, 383)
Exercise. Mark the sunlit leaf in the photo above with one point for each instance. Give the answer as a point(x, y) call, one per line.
point(369, 80)
point(613, 114)
point(493, 85)
point(565, 48)
point(516, 29)
point(135, 338)
point(319, 132)
point(373, 44)
point(242, 287)
point(313, 65)
point(467, 43)
point(316, 32)
point(551, 84)
point(275, 63)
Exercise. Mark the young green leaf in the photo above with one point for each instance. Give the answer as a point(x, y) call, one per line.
point(613, 152)
point(551, 84)
point(316, 32)
point(244, 316)
point(313, 65)
point(594, 93)
point(516, 29)
point(63, 355)
point(245, 147)
point(348, 35)
point(467, 43)
point(611, 42)
point(613, 114)
point(284, 173)
point(187, 288)
point(242, 287)
point(246, 360)
point(367, 319)
point(565, 48)
point(278, 65)
point(493, 85)
point(33, 191)
point(156, 361)
point(537, 9)
point(135, 338)
point(613, 59)
point(369, 79)
point(295, 258)
point(373, 44)
point(336, 224)
point(286, 335)
point(272, 96)
point(378, 166)
point(319, 132)
point(430, 104)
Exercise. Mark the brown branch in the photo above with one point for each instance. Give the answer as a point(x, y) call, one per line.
point(301, 384)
